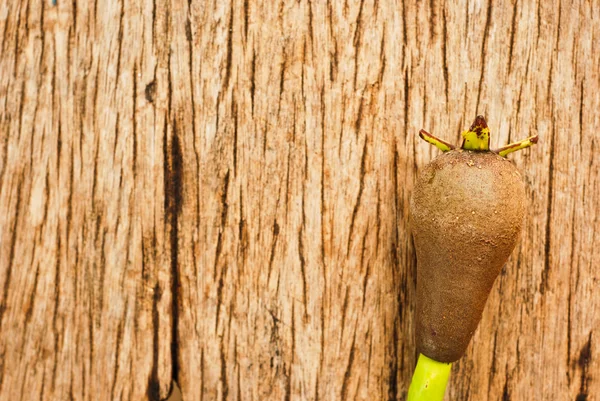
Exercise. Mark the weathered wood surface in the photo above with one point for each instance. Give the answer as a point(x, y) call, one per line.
point(217, 192)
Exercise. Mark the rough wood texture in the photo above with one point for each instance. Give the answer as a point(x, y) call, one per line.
point(234, 176)
point(85, 233)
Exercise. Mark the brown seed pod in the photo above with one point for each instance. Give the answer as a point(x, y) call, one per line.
point(467, 210)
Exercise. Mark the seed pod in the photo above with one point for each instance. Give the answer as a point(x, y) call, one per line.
point(467, 210)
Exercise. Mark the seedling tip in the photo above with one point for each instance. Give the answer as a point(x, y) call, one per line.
point(477, 138)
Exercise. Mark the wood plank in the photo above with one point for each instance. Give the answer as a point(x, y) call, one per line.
point(84, 237)
point(217, 193)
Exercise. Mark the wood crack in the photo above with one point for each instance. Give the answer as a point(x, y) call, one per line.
point(221, 273)
point(12, 252)
point(359, 196)
point(548, 234)
point(486, 33)
point(513, 28)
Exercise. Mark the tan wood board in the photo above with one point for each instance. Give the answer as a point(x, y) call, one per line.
point(217, 193)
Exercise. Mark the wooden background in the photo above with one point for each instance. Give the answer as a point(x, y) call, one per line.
point(217, 192)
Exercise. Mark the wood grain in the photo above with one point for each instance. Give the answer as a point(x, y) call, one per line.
point(84, 236)
point(217, 193)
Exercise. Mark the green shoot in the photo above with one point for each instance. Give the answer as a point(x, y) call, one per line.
point(525, 143)
point(437, 142)
point(477, 138)
point(429, 380)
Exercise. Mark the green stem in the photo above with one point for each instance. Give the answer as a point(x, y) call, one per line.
point(429, 380)
point(437, 142)
point(503, 151)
